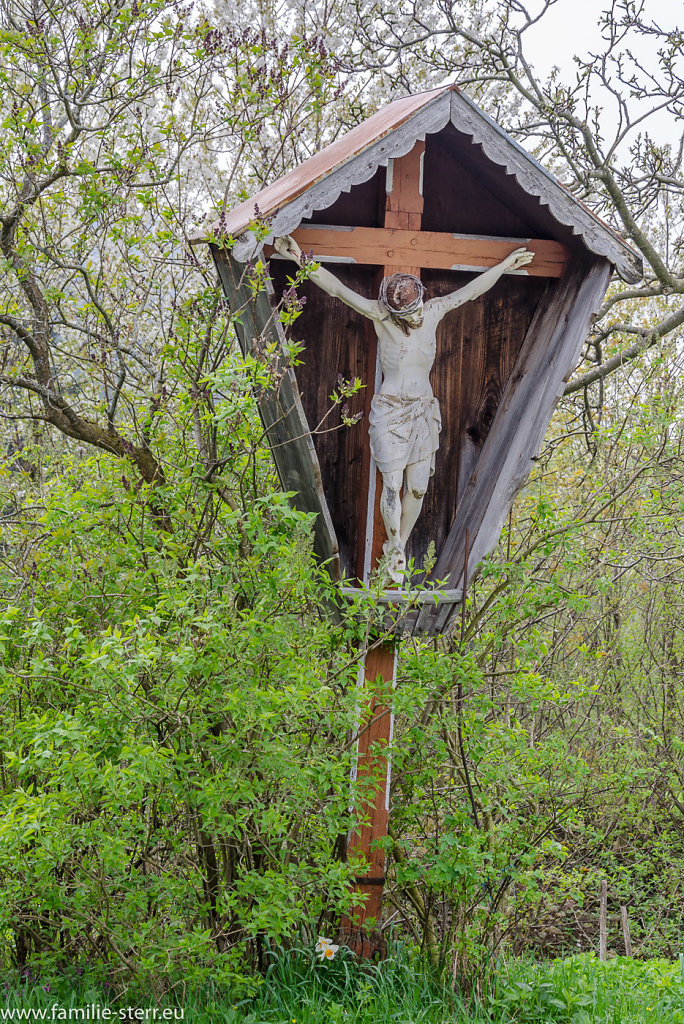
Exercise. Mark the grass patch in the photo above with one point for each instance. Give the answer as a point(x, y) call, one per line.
point(298, 988)
point(582, 990)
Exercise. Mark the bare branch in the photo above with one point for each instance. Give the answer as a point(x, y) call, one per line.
point(647, 339)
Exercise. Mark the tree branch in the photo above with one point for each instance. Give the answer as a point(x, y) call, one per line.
point(648, 338)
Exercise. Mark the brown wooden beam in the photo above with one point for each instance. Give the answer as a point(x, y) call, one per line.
point(404, 187)
point(361, 930)
point(440, 250)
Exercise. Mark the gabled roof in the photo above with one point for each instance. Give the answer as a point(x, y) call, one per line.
point(392, 132)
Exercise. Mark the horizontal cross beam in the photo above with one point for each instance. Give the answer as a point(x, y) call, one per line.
point(438, 250)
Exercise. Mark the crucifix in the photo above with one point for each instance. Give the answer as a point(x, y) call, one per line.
point(404, 427)
point(405, 420)
point(500, 366)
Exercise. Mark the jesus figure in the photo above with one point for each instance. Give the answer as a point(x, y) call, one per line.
point(404, 421)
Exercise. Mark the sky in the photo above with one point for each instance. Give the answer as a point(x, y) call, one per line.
point(572, 27)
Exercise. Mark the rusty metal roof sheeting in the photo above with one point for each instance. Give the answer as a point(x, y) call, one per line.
point(392, 132)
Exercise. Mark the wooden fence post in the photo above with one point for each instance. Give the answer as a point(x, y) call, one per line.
point(603, 921)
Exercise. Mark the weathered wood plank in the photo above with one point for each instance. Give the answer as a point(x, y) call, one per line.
point(404, 205)
point(374, 739)
point(603, 921)
point(440, 250)
point(372, 765)
point(477, 347)
point(281, 409)
point(549, 352)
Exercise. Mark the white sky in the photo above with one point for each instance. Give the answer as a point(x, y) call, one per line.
point(572, 27)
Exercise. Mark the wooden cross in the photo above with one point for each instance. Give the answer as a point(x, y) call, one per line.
point(398, 247)
point(401, 246)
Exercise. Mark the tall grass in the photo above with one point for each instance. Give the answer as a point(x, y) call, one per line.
point(298, 988)
point(582, 990)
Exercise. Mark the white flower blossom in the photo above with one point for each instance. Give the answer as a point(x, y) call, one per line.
point(328, 952)
point(326, 948)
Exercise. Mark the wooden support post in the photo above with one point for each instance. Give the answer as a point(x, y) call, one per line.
point(603, 922)
point(361, 931)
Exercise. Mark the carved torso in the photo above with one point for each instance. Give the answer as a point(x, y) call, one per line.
point(406, 359)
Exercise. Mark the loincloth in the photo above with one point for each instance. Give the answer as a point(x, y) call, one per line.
point(403, 430)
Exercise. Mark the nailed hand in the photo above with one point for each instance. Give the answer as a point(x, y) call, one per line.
point(518, 258)
point(286, 246)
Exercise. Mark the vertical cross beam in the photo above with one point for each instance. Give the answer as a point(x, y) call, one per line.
point(403, 209)
point(404, 203)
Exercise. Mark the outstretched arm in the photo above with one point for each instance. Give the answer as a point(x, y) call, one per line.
point(517, 259)
point(287, 247)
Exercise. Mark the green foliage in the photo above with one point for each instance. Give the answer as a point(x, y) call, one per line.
point(542, 751)
point(178, 714)
point(178, 711)
point(114, 116)
point(168, 785)
point(582, 990)
point(298, 988)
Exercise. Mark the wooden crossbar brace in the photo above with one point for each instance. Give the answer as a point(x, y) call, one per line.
point(437, 250)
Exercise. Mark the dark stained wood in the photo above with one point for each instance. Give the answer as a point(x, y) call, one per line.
point(426, 249)
point(477, 346)
point(281, 409)
point(552, 344)
point(484, 198)
point(362, 205)
point(461, 196)
point(335, 342)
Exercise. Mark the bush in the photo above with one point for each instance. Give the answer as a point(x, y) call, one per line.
point(175, 766)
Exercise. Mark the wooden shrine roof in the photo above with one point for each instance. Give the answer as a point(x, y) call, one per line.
point(392, 132)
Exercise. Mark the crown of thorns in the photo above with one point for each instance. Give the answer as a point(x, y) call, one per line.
point(389, 287)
